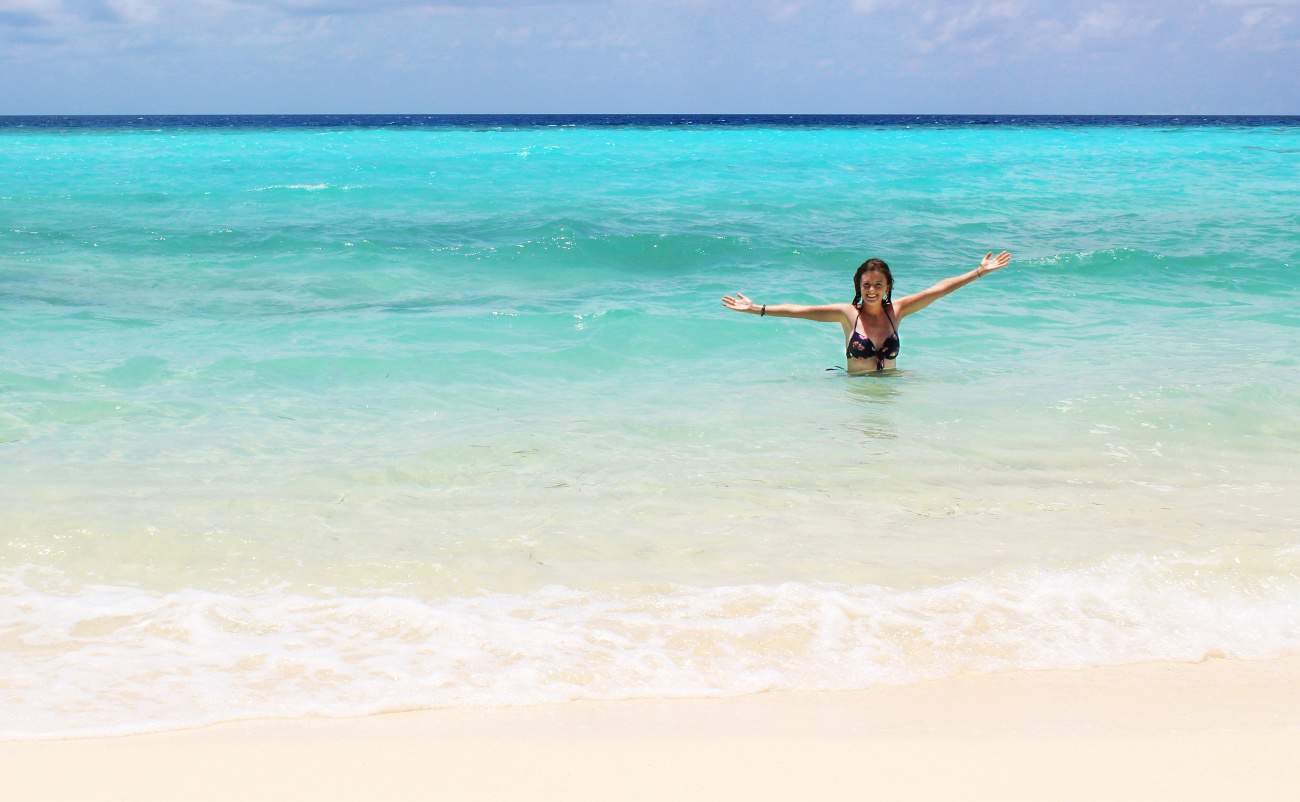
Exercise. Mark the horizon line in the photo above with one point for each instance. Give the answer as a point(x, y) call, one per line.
point(641, 114)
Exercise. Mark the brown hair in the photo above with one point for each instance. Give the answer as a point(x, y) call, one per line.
point(877, 266)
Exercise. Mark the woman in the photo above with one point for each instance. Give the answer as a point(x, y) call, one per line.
point(870, 323)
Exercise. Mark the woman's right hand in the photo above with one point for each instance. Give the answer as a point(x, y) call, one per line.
point(990, 262)
point(740, 303)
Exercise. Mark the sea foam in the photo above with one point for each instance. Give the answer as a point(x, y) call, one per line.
point(108, 659)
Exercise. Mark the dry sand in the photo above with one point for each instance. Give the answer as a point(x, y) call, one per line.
point(1221, 729)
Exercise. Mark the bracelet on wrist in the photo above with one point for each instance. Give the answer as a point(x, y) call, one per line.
point(764, 312)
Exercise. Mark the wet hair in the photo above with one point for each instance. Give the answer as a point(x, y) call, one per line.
point(873, 266)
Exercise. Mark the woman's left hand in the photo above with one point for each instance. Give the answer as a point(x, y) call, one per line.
point(991, 262)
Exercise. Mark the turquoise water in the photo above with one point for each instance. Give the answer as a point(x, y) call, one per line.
point(345, 420)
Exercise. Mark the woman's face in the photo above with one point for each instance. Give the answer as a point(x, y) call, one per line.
point(873, 287)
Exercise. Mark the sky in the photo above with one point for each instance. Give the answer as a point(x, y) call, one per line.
point(650, 56)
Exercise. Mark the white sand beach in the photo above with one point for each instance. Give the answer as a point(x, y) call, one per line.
point(1220, 729)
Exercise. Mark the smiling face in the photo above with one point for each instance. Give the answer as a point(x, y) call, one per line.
point(873, 286)
point(872, 283)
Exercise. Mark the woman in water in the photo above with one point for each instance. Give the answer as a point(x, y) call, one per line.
point(870, 323)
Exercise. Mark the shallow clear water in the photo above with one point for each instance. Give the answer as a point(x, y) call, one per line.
point(348, 419)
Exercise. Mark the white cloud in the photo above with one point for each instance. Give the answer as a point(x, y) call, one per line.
point(976, 15)
point(29, 13)
point(976, 26)
point(1257, 3)
point(1109, 21)
point(1264, 28)
point(783, 10)
point(135, 10)
point(31, 6)
point(1019, 27)
point(68, 12)
point(341, 7)
point(870, 6)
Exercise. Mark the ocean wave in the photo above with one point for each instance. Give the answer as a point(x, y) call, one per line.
point(303, 187)
point(127, 660)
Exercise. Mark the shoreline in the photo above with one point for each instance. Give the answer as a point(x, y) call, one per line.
point(1209, 730)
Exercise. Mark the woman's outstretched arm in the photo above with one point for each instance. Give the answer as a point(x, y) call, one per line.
point(920, 300)
point(830, 313)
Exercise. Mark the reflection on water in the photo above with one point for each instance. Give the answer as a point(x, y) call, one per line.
point(876, 392)
point(877, 430)
point(876, 387)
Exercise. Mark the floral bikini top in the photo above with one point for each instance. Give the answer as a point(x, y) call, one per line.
point(861, 347)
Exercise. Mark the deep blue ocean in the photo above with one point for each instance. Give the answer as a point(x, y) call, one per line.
point(147, 121)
